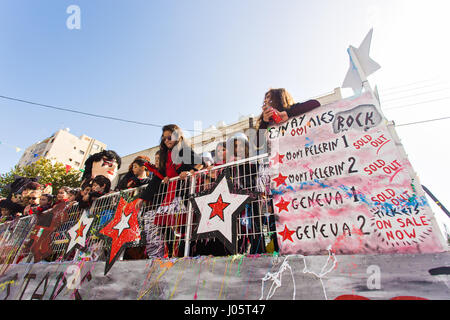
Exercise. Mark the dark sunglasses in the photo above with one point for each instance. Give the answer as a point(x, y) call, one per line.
point(167, 139)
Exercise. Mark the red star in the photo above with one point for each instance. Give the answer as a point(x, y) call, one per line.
point(218, 208)
point(286, 234)
point(80, 230)
point(127, 235)
point(278, 158)
point(282, 205)
point(280, 180)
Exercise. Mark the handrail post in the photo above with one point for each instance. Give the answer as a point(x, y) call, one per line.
point(190, 213)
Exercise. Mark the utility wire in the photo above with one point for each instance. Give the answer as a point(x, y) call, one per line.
point(412, 89)
point(413, 83)
point(410, 84)
point(415, 95)
point(423, 121)
point(85, 113)
point(415, 104)
point(160, 126)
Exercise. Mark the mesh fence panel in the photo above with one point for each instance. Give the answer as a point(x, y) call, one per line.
point(167, 221)
point(13, 236)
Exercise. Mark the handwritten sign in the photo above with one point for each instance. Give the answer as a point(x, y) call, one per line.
point(340, 179)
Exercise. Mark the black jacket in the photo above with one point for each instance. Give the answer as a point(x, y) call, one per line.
point(154, 184)
point(129, 176)
point(194, 159)
point(295, 110)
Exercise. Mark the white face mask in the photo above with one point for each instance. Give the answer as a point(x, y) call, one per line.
point(104, 167)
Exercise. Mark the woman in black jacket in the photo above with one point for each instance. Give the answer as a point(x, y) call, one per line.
point(279, 102)
point(176, 158)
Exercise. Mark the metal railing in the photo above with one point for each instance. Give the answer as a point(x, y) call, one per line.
point(168, 220)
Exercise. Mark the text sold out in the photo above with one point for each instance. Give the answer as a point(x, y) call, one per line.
point(394, 197)
point(367, 139)
point(388, 168)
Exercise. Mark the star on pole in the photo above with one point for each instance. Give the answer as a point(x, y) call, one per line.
point(123, 224)
point(78, 233)
point(121, 231)
point(221, 201)
point(366, 64)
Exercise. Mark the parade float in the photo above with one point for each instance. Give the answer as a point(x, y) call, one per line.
point(334, 210)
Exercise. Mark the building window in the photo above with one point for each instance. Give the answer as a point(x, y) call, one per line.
point(77, 163)
point(95, 146)
point(81, 152)
point(70, 159)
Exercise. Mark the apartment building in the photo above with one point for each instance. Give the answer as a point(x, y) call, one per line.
point(63, 147)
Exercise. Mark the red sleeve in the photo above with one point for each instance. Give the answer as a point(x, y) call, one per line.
point(153, 169)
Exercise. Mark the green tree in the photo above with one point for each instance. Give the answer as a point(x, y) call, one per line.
point(50, 173)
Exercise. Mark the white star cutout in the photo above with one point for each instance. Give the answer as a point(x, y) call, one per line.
point(225, 227)
point(368, 65)
point(123, 224)
point(73, 231)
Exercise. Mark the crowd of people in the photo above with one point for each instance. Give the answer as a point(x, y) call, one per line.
point(175, 158)
point(27, 197)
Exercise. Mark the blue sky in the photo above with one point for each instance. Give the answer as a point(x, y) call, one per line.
point(157, 63)
point(179, 62)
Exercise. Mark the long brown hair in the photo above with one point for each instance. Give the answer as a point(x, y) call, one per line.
point(163, 150)
point(281, 100)
point(139, 160)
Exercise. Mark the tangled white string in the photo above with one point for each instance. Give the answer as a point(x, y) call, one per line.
point(277, 276)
